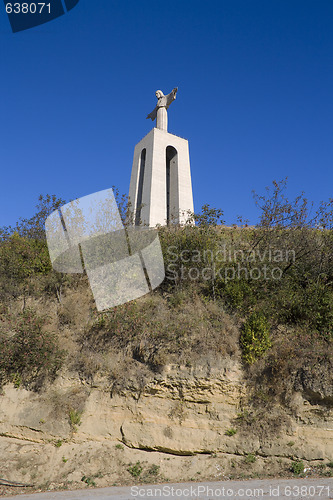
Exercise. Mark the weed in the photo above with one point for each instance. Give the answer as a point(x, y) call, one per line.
point(88, 480)
point(243, 415)
point(330, 464)
point(75, 418)
point(250, 458)
point(154, 470)
point(17, 380)
point(58, 443)
point(230, 432)
point(119, 446)
point(64, 459)
point(99, 323)
point(176, 299)
point(135, 470)
point(297, 467)
point(291, 443)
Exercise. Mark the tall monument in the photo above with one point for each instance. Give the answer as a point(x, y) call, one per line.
point(161, 188)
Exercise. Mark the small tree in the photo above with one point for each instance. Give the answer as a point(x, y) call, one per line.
point(207, 218)
point(33, 228)
point(255, 338)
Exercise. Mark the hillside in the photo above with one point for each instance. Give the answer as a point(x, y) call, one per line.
point(224, 371)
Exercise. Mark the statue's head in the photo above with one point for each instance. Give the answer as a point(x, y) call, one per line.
point(159, 94)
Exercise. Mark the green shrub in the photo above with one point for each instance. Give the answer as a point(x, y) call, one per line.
point(88, 480)
point(255, 337)
point(75, 418)
point(208, 217)
point(33, 228)
point(20, 260)
point(250, 458)
point(23, 250)
point(16, 380)
point(297, 467)
point(135, 470)
point(28, 354)
point(238, 294)
point(230, 432)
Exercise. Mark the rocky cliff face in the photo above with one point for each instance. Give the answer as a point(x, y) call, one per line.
point(195, 420)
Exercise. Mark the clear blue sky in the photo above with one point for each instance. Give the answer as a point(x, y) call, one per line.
point(255, 98)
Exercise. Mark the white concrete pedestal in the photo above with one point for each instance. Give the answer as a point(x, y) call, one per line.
point(161, 179)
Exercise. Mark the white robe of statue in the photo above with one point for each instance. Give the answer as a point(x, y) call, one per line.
point(159, 113)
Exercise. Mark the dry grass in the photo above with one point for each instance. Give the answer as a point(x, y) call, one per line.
point(147, 334)
point(65, 402)
point(128, 345)
point(296, 362)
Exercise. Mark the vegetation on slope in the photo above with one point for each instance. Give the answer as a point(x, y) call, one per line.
point(264, 293)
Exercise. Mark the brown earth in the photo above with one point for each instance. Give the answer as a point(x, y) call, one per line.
point(181, 423)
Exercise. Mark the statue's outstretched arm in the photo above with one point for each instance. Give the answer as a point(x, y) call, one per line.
point(171, 97)
point(153, 114)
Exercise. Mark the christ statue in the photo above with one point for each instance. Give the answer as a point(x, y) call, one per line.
point(160, 112)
